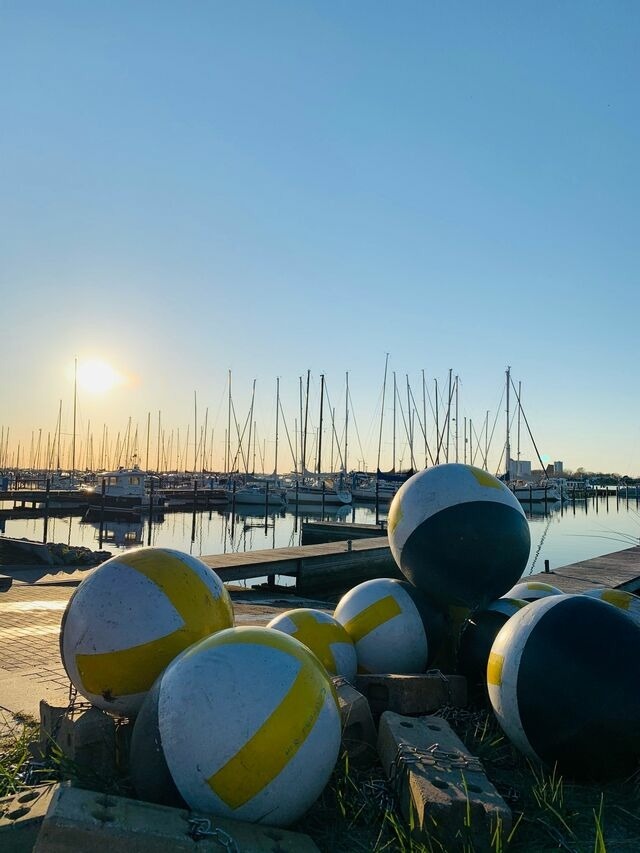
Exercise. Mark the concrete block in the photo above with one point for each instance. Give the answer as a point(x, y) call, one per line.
point(93, 743)
point(442, 790)
point(21, 817)
point(359, 733)
point(87, 822)
point(412, 694)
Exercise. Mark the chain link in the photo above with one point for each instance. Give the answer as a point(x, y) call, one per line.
point(200, 827)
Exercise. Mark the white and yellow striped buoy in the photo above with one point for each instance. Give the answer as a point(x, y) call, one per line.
point(244, 724)
point(324, 635)
point(131, 617)
point(388, 622)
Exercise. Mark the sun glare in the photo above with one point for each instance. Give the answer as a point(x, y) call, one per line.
point(97, 377)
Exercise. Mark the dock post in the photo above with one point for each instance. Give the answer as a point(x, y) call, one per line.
point(546, 566)
point(150, 511)
point(323, 491)
point(46, 510)
point(195, 505)
point(377, 501)
point(102, 499)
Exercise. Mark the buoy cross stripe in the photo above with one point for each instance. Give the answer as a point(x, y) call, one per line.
point(127, 671)
point(275, 743)
point(618, 598)
point(484, 479)
point(308, 626)
point(372, 617)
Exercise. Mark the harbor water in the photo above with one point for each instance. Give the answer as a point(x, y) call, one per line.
point(563, 534)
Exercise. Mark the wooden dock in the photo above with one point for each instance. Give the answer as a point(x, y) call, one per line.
point(334, 567)
point(330, 567)
point(620, 570)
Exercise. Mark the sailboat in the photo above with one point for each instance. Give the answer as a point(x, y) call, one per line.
point(546, 490)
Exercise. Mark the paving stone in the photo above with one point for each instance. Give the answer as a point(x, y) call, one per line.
point(21, 817)
point(359, 733)
point(412, 694)
point(442, 789)
point(86, 822)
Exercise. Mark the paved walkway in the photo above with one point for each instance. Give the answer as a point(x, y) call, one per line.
point(30, 616)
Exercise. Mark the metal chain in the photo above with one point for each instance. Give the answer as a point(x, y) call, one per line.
point(200, 827)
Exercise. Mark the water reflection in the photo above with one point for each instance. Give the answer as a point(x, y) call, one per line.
point(562, 534)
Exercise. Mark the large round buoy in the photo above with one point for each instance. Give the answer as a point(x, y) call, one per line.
point(564, 683)
point(532, 590)
point(626, 601)
point(478, 635)
point(244, 724)
point(393, 627)
point(324, 635)
point(131, 617)
point(458, 534)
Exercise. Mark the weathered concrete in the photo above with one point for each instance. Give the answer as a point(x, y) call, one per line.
point(359, 733)
point(93, 743)
point(412, 694)
point(442, 789)
point(21, 817)
point(86, 822)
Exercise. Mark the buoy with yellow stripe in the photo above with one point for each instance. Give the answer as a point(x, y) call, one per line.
point(477, 637)
point(625, 601)
point(245, 724)
point(131, 617)
point(393, 627)
point(564, 684)
point(532, 590)
point(324, 635)
point(459, 534)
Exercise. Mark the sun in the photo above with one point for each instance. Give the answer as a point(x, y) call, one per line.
point(97, 377)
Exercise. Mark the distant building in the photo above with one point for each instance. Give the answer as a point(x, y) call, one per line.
point(558, 469)
point(519, 469)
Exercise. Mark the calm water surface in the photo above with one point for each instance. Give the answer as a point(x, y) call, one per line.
point(561, 535)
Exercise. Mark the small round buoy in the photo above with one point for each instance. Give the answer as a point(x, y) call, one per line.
point(562, 687)
point(393, 627)
point(323, 635)
point(131, 617)
point(458, 534)
point(244, 724)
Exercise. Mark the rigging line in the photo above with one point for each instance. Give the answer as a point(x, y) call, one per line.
point(286, 429)
point(406, 432)
point(333, 425)
point(422, 426)
point(240, 448)
point(445, 424)
point(527, 425)
point(355, 423)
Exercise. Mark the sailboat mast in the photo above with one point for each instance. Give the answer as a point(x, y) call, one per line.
point(275, 463)
point(75, 402)
point(519, 414)
point(508, 445)
point(384, 390)
point(306, 421)
point(320, 428)
point(395, 394)
point(346, 421)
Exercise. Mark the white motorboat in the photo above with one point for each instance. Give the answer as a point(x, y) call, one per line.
point(258, 494)
point(303, 494)
point(125, 490)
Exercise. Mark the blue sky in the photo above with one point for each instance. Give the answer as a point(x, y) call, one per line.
point(272, 187)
